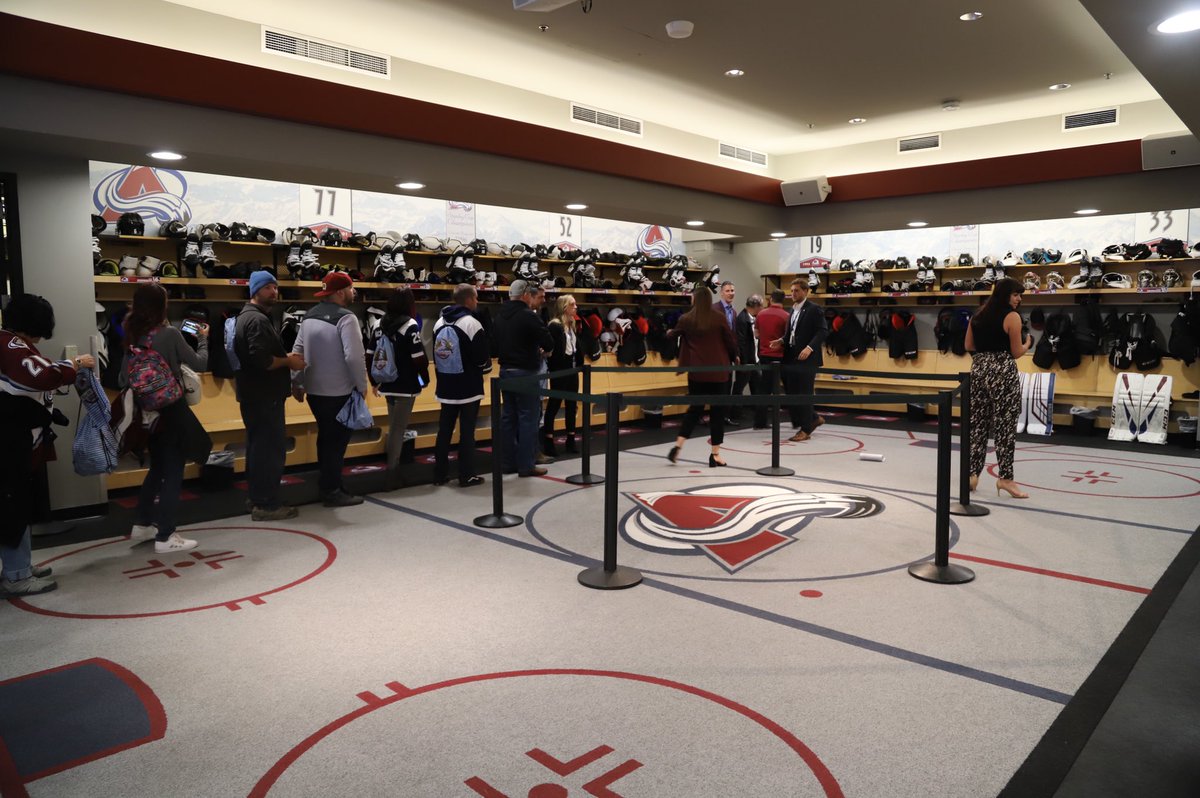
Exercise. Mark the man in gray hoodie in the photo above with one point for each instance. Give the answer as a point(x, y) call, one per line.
point(330, 341)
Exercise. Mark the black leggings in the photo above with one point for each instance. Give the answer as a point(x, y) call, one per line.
point(716, 415)
point(553, 403)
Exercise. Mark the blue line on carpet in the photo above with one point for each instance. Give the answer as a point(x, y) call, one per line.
point(956, 669)
point(1018, 507)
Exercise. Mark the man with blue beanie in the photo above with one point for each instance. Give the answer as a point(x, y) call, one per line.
point(263, 384)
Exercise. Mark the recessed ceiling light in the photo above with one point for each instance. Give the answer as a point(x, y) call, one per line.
point(971, 16)
point(576, 206)
point(695, 223)
point(917, 224)
point(858, 120)
point(1185, 22)
point(1060, 86)
point(734, 73)
point(680, 28)
point(778, 235)
point(410, 186)
point(1087, 211)
point(166, 155)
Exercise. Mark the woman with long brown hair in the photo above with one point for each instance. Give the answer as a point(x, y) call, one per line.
point(177, 435)
point(994, 340)
point(706, 341)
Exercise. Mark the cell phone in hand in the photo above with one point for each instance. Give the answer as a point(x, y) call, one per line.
point(191, 326)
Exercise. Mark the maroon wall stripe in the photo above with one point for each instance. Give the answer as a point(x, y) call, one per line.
point(213, 83)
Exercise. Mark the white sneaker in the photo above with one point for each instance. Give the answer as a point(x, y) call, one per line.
point(140, 532)
point(174, 544)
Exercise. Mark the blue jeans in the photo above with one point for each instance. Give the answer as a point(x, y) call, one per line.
point(18, 559)
point(164, 481)
point(520, 416)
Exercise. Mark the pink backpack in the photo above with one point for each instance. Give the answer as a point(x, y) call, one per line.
point(150, 378)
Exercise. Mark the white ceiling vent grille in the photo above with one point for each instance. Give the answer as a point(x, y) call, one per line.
point(606, 119)
point(933, 141)
point(742, 154)
point(1105, 116)
point(293, 45)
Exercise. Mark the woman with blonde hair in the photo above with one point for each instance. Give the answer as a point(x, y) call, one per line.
point(706, 341)
point(565, 354)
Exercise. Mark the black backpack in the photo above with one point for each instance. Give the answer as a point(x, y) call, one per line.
point(1057, 343)
point(1185, 332)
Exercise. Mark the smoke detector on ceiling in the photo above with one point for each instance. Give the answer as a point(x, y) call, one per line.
point(540, 5)
point(680, 28)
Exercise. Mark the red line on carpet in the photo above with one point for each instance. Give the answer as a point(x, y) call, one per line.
point(1056, 574)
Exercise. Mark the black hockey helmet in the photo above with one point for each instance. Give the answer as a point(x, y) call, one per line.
point(99, 224)
point(131, 224)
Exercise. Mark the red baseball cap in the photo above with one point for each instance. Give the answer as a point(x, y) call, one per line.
point(334, 282)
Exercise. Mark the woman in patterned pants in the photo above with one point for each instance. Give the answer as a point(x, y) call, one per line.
point(994, 340)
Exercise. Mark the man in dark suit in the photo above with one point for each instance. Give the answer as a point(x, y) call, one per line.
point(724, 306)
point(802, 343)
point(747, 342)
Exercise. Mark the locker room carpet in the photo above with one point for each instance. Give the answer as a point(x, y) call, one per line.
point(395, 648)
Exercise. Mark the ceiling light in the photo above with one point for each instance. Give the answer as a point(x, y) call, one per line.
point(679, 28)
point(576, 206)
point(917, 224)
point(1087, 211)
point(971, 16)
point(1185, 22)
point(410, 186)
point(858, 120)
point(950, 105)
point(778, 235)
point(166, 155)
point(734, 73)
point(1060, 86)
point(694, 223)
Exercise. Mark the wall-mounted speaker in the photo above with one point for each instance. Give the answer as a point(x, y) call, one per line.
point(808, 191)
point(1168, 150)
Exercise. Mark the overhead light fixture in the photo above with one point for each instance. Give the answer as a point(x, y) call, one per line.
point(778, 235)
point(734, 73)
point(971, 16)
point(1060, 86)
point(950, 105)
point(576, 206)
point(1087, 211)
point(917, 224)
point(166, 155)
point(1184, 22)
point(409, 186)
point(680, 28)
point(858, 120)
point(694, 223)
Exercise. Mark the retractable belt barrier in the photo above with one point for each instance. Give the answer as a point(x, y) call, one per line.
point(610, 575)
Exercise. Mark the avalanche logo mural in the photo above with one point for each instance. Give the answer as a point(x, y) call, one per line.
point(156, 194)
point(736, 524)
point(655, 241)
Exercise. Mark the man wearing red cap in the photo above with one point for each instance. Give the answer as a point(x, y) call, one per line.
point(330, 341)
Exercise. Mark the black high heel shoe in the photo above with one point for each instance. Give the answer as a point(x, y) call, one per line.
point(673, 455)
point(713, 462)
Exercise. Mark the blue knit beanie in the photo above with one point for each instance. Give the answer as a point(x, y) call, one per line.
point(260, 278)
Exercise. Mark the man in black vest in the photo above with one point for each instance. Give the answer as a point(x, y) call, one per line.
point(802, 343)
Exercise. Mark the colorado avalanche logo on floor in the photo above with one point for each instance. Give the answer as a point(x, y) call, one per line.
point(655, 241)
point(735, 525)
point(153, 193)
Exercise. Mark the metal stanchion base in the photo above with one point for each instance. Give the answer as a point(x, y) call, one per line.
point(968, 509)
point(619, 579)
point(501, 521)
point(585, 479)
point(771, 471)
point(945, 574)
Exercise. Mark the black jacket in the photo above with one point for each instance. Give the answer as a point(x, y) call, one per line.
point(808, 330)
point(746, 341)
point(256, 343)
point(520, 337)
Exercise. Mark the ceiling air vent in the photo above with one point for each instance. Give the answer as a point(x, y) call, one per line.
point(1105, 116)
point(293, 45)
point(742, 154)
point(593, 116)
point(933, 141)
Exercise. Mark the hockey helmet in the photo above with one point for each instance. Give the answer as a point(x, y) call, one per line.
point(131, 224)
point(1077, 256)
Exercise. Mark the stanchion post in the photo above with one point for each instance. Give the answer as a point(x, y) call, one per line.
point(775, 470)
point(497, 518)
point(940, 570)
point(964, 506)
point(611, 576)
point(585, 475)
